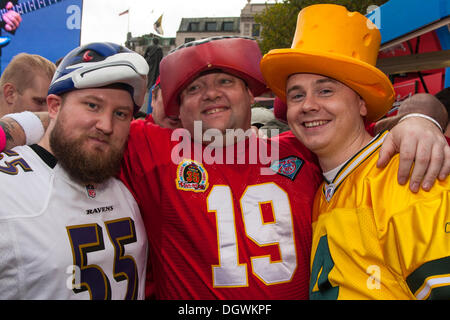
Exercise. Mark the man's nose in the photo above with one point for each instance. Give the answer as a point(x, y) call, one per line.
point(105, 123)
point(212, 92)
point(310, 103)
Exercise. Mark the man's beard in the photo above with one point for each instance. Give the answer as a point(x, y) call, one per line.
point(84, 167)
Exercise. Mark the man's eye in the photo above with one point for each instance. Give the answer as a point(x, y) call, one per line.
point(296, 96)
point(326, 91)
point(92, 105)
point(122, 115)
point(193, 88)
point(225, 81)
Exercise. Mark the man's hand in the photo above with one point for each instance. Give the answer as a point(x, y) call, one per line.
point(11, 18)
point(418, 141)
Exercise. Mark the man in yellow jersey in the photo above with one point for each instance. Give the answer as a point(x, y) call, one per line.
point(372, 238)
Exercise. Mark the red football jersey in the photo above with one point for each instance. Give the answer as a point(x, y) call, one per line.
point(223, 231)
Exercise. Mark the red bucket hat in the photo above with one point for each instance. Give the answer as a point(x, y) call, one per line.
point(280, 109)
point(238, 56)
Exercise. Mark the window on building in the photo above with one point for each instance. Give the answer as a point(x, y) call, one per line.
point(247, 29)
point(186, 40)
point(228, 26)
point(193, 26)
point(211, 26)
point(255, 30)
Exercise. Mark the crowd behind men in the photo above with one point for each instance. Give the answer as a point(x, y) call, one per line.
point(214, 230)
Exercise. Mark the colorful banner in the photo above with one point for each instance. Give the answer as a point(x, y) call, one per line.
point(50, 28)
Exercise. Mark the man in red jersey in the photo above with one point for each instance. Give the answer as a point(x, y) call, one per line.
point(218, 226)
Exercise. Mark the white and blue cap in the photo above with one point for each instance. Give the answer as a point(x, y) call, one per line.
point(101, 64)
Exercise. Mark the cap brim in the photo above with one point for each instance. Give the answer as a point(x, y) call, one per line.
point(369, 82)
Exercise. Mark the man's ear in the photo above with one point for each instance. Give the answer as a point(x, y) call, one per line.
point(54, 104)
point(251, 95)
point(9, 93)
point(362, 107)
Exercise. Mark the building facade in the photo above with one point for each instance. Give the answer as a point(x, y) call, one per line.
point(192, 29)
point(140, 44)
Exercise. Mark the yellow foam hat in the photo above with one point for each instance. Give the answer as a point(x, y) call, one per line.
point(343, 45)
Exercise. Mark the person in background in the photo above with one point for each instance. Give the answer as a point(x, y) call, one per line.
point(24, 84)
point(70, 230)
point(265, 124)
point(436, 106)
point(153, 55)
point(10, 19)
point(158, 115)
point(444, 97)
point(372, 238)
point(261, 116)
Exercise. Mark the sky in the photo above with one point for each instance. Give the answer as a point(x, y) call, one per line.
point(101, 20)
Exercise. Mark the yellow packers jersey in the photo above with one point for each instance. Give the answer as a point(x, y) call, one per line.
point(374, 239)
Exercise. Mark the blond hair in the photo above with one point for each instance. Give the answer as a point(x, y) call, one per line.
point(22, 69)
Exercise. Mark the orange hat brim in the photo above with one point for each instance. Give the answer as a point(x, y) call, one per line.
point(368, 81)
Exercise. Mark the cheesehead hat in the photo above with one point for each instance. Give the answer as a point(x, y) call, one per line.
point(336, 43)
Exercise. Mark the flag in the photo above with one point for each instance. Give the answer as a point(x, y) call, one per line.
point(125, 12)
point(158, 25)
